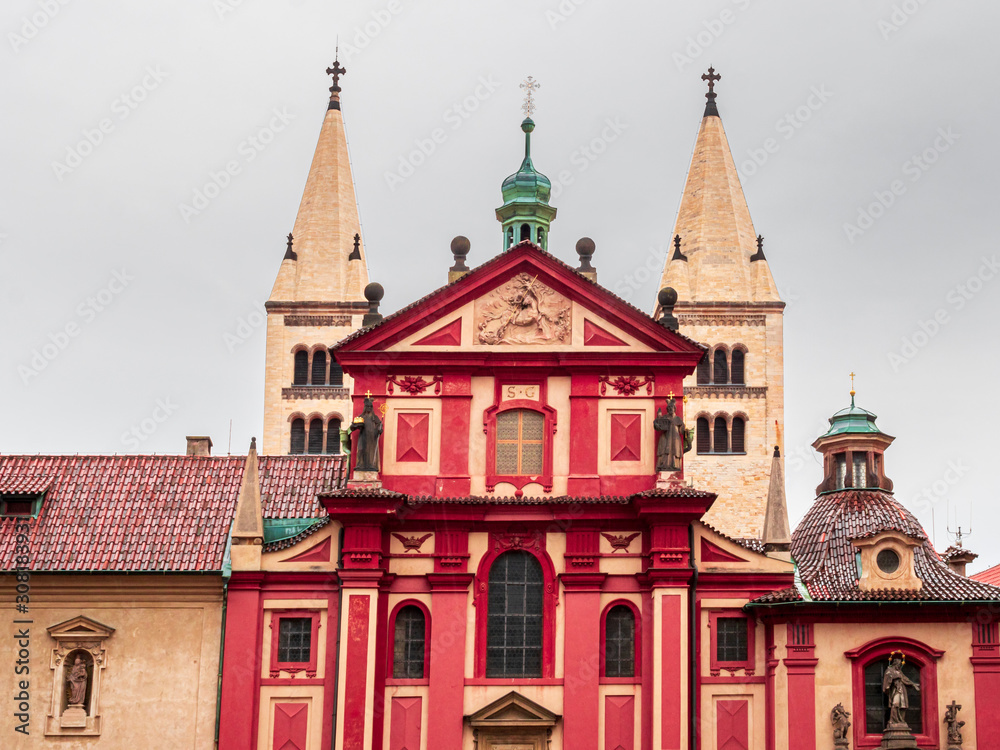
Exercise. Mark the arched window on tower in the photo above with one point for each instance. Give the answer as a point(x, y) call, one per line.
point(541, 237)
point(298, 442)
point(721, 443)
point(704, 437)
point(319, 368)
point(525, 232)
point(301, 375)
point(721, 367)
point(336, 373)
point(739, 436)
point(510, 236)
point(514, 624)
point(316, 436)
point(333, 435)
point(737, 375)
point(704, 370)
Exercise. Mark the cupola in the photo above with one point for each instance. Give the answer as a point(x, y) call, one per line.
point(853, 450)
point(526, 213)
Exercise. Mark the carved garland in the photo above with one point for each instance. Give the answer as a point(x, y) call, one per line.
point(413, 385)
point(626, 385)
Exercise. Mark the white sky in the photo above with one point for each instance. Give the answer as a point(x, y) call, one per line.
point(893, 76)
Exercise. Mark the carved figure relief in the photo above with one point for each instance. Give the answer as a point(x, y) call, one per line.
point(370, 427)
point(894, 683)
point(954, 726)
point(76, 683)
point(672, 446)
point(620, 542)
point(412, 543)
point(841, 724)
point(523, 311)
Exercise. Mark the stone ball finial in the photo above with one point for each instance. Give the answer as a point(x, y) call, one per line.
point(667, 297)
point(585, 248)
point(373, 293)
point(459, 249)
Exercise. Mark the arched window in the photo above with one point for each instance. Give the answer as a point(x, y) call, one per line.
point(721, 368)
point(721, 443)
point(298, 443)
point(704, 371)
point(704, 437)
point(619, 642)
point(519, 440)
point(301, 376)
point(877, 702)
point(333, 436)
point(409, 641)
point(541, 237)
point(316, 436)
point(737, 375)
point(319, 368)
point(514, 624)
point(525, 232)
point(739, 436)
point(336, 373)
point(510, 236)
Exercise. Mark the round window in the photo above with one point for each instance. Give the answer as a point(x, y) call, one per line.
point(887, 561)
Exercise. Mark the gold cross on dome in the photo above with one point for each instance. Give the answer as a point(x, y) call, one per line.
point(530, 85)
point(852, 383)
point(368, 393)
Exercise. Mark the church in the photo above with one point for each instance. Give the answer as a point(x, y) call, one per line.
point(516, 513)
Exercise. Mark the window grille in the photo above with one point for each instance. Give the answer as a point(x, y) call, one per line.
point(721, 436)
point(295, 639)
point(319, 368)
point(514, 619)
point(333, 436)
point(316, 436)
point(737, 377)
point(877, 702)
point(619, 642)
point(739, 435)
point(721, 369)
point(520, 449)
point(408, 644)
point(301, 376)
point(704, 436)
point(731, 639)
point(298, 444)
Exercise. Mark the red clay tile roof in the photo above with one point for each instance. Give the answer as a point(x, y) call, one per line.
point(990, 575)
point(491, 500)
point(150, 513)
point(826, 558)
point(754, 545)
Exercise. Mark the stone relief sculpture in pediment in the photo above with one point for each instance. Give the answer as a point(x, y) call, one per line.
point(523, 311)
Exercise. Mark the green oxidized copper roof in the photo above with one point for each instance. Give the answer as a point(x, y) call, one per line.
point(854, 420)
point(527, 185)
point(278, 529)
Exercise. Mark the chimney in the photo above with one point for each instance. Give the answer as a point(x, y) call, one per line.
point(199, 445)
point(957, 558)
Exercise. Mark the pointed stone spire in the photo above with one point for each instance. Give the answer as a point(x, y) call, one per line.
point(327, 221)
point(714, 220)
point(248, 525)
point(776, 537)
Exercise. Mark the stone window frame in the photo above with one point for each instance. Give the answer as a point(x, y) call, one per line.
point(636, 677)
point(716, 665)
point(309, 667)
point(77, 634)
point(390, 646)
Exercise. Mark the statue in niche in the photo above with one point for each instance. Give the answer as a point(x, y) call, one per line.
point(76, 683)
point(954, 726)
point(841, 723)
point(894, 684)
point(370, 427)
point(672, 446)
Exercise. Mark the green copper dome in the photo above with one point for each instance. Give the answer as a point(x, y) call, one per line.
point(526, 185)
point(852, 420)
point(526, 213)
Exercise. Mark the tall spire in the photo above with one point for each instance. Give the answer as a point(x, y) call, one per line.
point(526, 213)
point(715, 223)
point(327, 221)
point(776, 536)
point(247, 532)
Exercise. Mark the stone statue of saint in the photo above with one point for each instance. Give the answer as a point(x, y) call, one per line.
point(894, 683)
point(370, 427)
point(77, 682)
point(954, 725)
point(841, 724)
point(670, 448)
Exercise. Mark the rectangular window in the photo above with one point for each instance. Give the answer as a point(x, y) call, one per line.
point(731, 639)
point(19, 505)
point(295, 639)
point(519, 437)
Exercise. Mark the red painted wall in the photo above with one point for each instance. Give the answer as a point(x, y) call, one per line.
point(356, 690)
point(241, 663)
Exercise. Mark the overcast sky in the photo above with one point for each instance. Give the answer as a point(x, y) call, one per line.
point(132, 310)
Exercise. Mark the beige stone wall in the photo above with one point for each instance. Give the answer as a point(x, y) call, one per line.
point(159, 686)
point(955, 681)
point(740, 481)
point(279, 370)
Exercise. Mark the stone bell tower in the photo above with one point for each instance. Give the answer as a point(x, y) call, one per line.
point(727, 300)
point(317, 299)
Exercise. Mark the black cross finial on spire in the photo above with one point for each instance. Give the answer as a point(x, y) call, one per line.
point(759, 255)
point(289, 253)
point(336, 71)
point(356, 252)
point(711, 76)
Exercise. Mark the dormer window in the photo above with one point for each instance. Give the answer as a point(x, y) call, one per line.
point(886, 561)
point(20, 505)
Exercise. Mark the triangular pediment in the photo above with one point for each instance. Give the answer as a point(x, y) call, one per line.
point(522, 300)
point(81, 627)
point(513, 710)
